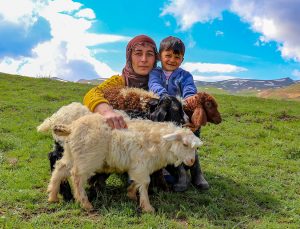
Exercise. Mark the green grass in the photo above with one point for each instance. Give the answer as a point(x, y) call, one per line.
point(251, 161)
point(220, 91)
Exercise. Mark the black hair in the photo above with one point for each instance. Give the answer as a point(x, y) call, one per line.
point(172, 43)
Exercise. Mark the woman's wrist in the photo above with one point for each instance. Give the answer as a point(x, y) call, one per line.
point(103, 108)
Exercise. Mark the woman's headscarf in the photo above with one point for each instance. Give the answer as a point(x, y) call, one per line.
point(133, 79)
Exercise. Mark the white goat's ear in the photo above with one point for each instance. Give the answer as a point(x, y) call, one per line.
point(196, 143)
point(172, 137)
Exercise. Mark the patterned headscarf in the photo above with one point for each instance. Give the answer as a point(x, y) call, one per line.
point(132, 79)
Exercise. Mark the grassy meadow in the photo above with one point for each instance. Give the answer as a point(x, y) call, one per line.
point(251, 160)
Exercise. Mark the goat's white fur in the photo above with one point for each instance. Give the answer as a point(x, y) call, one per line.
point(92, 146)
point(65, 115)
point(141, 92)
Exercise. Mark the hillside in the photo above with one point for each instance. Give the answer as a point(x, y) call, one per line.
point(237, 85)
point(284, 88)
point(291, 92)
point(251, 161)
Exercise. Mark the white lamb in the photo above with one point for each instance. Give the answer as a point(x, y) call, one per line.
point(92, 146)
point(65, 115)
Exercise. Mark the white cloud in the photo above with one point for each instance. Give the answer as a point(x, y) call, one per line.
point(217, 72)
point(276, 20)
point(219, 33)
point(63, 6)
point(208, 68)
point(69, 46)
point(290, 51)
point(262, 41)
point(99, 50)
point(189, 12)
point(11, 13)
point(86, 13)
point(296, 73)
point(19, 11)
point(167, 23)
point(190, 41)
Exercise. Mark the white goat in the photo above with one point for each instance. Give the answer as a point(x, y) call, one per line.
point(92, 146)
point(65, 115)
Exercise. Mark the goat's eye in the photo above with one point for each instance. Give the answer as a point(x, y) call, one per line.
point(208, 104)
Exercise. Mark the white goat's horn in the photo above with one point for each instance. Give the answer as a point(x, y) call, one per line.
point(172, 137)
point(197, 143)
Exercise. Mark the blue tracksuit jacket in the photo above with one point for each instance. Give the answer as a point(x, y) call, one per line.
point(180, 83)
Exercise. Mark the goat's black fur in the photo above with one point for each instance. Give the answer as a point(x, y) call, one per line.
point(168, 109)
point(54, 156)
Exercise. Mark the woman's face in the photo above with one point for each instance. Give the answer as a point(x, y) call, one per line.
point(142, 59)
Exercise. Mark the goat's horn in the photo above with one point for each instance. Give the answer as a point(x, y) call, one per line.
point(196, 143)
point(172, 137)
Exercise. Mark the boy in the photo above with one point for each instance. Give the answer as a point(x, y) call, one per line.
point(172, 80)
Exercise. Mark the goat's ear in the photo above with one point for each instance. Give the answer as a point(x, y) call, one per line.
point(196, 142)
point(153, 102)
point(199, 117)
point(186, 118)
point(172, 137)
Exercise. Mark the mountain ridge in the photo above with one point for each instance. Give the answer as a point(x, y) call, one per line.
point(236, 85)
point(232, 85)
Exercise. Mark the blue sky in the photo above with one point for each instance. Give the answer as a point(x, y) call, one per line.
point(75, 39)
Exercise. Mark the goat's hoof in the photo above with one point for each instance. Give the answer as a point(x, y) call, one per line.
point(53, 199)
point(88, 207)
point(132, 196)
point(148, 209)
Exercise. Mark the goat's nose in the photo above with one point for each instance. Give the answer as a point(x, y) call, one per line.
point(192, 161)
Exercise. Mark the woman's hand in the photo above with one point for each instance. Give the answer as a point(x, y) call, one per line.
point(113, 119)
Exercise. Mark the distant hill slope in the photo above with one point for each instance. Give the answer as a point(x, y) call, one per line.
point(228, 86)
point(92, 81)
point(290, 92)
point(236, 85)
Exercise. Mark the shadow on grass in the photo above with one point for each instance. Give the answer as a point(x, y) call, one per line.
point(226, 203)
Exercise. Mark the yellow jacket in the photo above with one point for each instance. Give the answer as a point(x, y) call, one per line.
point(95, 95)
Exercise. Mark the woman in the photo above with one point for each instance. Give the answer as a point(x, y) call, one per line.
point(141, 58)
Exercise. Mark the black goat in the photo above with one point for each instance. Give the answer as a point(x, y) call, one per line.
point(169, 109)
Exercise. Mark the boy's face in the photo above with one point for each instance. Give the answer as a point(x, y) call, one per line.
point(170, 61)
